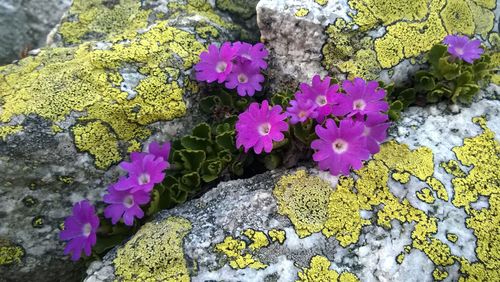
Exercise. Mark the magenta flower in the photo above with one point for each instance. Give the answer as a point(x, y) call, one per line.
point(340, 148)
point(321, 93)
point(160, 151)
point(145, 170)
point(258, 127)
point(362, 98)
point(464, 48)
point(125, 204)
point(80, 230)
point(301, 109)
point(246, 77)
point(255, 53)
point(215, 64)
point(375, 131)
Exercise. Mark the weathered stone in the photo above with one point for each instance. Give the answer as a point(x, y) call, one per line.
point(370, 39)
point(117, 76)
point(307, 225)
point(25, 25)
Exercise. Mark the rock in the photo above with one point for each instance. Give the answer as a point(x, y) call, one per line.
point(425, 208)
point(117, 76)
point(370, 39)
point(25, 25)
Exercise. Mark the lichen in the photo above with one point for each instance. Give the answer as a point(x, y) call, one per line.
point(155, 253)
point(277, 235)
point(302, 12)
point(452, 237)
point(258, 238)
point(304, 199)
point(409, 29)
point(321, 2)
point(425, 195)
point(401, 177)
point(10, 253)
point(9, 130)
point(234, 249)
point(83, 79)
point(242, 8)
point(319, 270)
point(439, 274)
point(400, 258)
point(453, 167)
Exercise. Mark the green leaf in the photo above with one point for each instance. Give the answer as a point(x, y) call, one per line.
point(394, 115)
point(304, 132)
point(207, 104)
point(272, 161)
point(447, 69)
point(226, 99)
point(154, 204)
point(436, 53)
point(237, 168)
point(211, 170)
point(203, 131)
point(106, 243)
point(225, 156)
point(195, 143)
point(464, 78)
point(226, 141)
point(408, 96)
point(191, 180)
point(396, 106)
point(191, 160)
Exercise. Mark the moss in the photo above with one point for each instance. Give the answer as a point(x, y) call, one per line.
point(319, 270)
point(155, 253)
point(277, 235)
point(425, 195)
point(258, 238)
point(234, 249)
point(302, 12)
point(10, 253)
point(304, 199)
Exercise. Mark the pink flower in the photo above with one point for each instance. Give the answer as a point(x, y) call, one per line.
point(145, 170)
point(80, 230)
point(340, 148)
point(246, 77)
point(214, 64)
point(255, 53)
point(301, 109)
point(375, 131)
point(258, 127)
point(323, 95)
point(125, 204)
point(160, 151)
point(464, 48)
point(362, 98)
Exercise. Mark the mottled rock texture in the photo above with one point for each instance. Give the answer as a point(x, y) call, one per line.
point(426, 208)
point(117, 76)
point(365, 38)
point(24, 25)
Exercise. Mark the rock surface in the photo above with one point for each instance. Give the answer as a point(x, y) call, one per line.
point(118, 75)
point(364, 38)
point(426, 208)
point(24, 25)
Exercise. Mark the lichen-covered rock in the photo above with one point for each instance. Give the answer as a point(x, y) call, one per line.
point(365, 38)
point(25, 25)
point(118, 75)
point(426, 208)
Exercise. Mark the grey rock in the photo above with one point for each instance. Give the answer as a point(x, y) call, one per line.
point(227, 213)
point(24, 25)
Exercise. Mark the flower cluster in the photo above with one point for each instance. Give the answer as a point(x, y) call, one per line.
point(349, 125)
point(237, 65)
point(464, 48)
point(124, 199)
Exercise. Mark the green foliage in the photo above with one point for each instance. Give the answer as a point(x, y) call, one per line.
point(446, 78)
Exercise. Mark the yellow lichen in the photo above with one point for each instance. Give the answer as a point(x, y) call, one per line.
point(277, 235)
point(9, 130)
point(319, 270)
point(234, 249)
point(439, 274)
point(438, 187)
point(86, 80)
point(10, 253)
point(155, 253)
point(452, 237)
point(457, 17)
point(401, 177)
point(302, 12)
point(304, 199)
point(321, 2)
point(452, 167)
point(258, 238)
point(425, 195)
point(400, 258)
